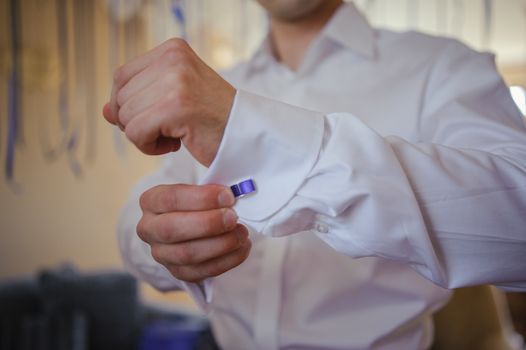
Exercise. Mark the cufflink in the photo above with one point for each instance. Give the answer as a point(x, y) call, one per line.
point(243, 188)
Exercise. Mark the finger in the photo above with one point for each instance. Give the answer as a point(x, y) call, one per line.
point(145, 129)
point(106, 112)
point(181, 197)
point(200, 250)
point(140, 102)
point(108, 115)
point(144, 79)
point(126, 72)
point(213, 267)
point(166, 145)
point(177, 227)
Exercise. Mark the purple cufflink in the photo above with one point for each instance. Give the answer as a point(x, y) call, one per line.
point(243, 188)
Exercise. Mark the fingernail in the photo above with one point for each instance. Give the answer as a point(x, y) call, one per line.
point(226, 198)
point(242, 236)
point(229, 218)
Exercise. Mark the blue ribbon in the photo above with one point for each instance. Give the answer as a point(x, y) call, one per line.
point(84, 15)
point(14, 105)
point(53, 152)
point(178, 13)
point(12, 125)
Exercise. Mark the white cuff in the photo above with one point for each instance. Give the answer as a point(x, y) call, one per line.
point(271, 142)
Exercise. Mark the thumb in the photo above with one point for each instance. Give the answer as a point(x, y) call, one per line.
point(106, 112)
point(110, 117)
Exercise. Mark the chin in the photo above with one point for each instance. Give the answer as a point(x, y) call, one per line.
point(291, 10)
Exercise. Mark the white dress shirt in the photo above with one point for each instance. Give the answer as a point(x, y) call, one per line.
point(400, 149)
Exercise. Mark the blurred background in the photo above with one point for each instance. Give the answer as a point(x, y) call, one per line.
point(66, 172)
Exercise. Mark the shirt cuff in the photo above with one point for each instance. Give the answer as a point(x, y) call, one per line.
point(270, 142)
point(201, 293)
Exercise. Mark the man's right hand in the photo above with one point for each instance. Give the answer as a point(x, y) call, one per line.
point(192, 230)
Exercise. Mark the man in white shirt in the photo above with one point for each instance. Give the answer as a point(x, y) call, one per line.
point(400, 149)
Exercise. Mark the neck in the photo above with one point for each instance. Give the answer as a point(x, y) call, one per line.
point(291, 39)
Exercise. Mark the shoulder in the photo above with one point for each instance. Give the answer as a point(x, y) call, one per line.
point(414, 47)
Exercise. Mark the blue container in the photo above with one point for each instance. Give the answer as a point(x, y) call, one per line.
point(171, 335)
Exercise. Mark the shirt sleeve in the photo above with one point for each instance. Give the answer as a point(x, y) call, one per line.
point(451, 204)
point(176, 168)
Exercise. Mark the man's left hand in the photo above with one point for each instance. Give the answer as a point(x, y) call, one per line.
point(168, 96)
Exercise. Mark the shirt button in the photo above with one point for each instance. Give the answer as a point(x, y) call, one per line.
point(322, 228)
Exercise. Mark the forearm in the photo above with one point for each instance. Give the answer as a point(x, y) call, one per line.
point(451, 212)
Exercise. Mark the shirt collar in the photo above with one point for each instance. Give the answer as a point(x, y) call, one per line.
point(348, 27)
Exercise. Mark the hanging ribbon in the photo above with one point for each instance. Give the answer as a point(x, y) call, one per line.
point(14, 91)
point(63, 101)
point(178, 12)
point(51, 152)
point(114, 49)
point(89, 49)
point(81, 88)
point(130, 37)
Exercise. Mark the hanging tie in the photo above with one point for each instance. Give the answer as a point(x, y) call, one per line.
point(14, 111)
point(178, 12)
point(114, 48)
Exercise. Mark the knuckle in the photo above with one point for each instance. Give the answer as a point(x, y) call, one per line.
point(234, 241)
point(176, 192)
point(229, 243)
point(142, 230)
point(173, 98)
point(176, 271)
point(210, 193)
point(130, 132)
point(177, 54)
point(171, 56)
point(121, 97)
point(171, 79)
point(185, 62)
point(118, 76)
point(241, 254)
point(145, 199)
point(184, 254)
point(176, 43)
point(133, 133)
point(214, 223)
point(213, 270)
point(169, 201)
point(123, 115)
point(156, 253)
point(165, 231)
point(247, 247)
